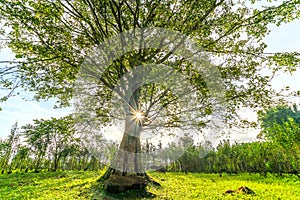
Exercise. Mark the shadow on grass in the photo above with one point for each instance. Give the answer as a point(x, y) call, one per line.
point(97, 189)
point(57, 185)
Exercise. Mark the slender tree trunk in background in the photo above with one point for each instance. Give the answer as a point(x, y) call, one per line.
point(5, 160)
point(38, 161)
point(56, 161)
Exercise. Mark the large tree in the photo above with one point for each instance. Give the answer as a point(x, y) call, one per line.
point(51, 39)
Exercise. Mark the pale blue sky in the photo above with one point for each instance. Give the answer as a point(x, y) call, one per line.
point(286, 38)
point(22, 108)
point(283, 38)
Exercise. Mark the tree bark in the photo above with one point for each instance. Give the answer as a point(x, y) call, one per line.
point(128, 161)
point(127, 170)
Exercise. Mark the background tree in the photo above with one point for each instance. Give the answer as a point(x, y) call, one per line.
point(279, 115)
point(21, 161)
point(9, 148)
point(281, 124)
point(54, 137)
point(38, 138)
point(4, 149)
point(48, 38)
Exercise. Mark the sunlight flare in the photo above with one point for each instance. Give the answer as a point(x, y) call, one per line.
point(138, 116)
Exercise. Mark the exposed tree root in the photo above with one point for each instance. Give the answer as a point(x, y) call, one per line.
point(118, 182)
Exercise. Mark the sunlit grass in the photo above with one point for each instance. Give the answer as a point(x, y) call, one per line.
point(83, 185)
point(211, 186)
point(48, 185)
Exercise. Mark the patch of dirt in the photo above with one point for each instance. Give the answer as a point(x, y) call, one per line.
point(241, 190)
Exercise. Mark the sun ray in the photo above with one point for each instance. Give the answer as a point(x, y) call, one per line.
point(138, 116)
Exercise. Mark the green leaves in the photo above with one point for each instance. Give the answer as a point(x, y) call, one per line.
point(289, 60)
point(281, 125)
point(50, 39)
point(55, 137)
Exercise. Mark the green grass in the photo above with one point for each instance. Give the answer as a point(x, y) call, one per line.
point(83, 185)
point(211, 186)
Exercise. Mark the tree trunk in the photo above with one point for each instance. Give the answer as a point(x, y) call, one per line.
point(38, 161)
point(55, 162)
point(127, 170)
point(128, 160)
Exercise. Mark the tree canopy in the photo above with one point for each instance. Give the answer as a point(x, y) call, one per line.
point(49, 39)
point(55, 136)
point(281, 124)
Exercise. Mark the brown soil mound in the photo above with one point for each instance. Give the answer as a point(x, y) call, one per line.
point(242, 189)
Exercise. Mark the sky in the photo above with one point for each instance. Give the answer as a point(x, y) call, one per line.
point(282, 38)
point(16, 109)
point(285, 38)
point(22, 109)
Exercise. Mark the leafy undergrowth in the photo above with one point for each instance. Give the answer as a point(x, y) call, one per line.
point(83, 185)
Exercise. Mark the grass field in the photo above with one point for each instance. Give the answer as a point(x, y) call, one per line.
point(83, 185)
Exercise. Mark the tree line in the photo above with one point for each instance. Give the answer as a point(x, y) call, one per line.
point(46, 145)
point(50, 145)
